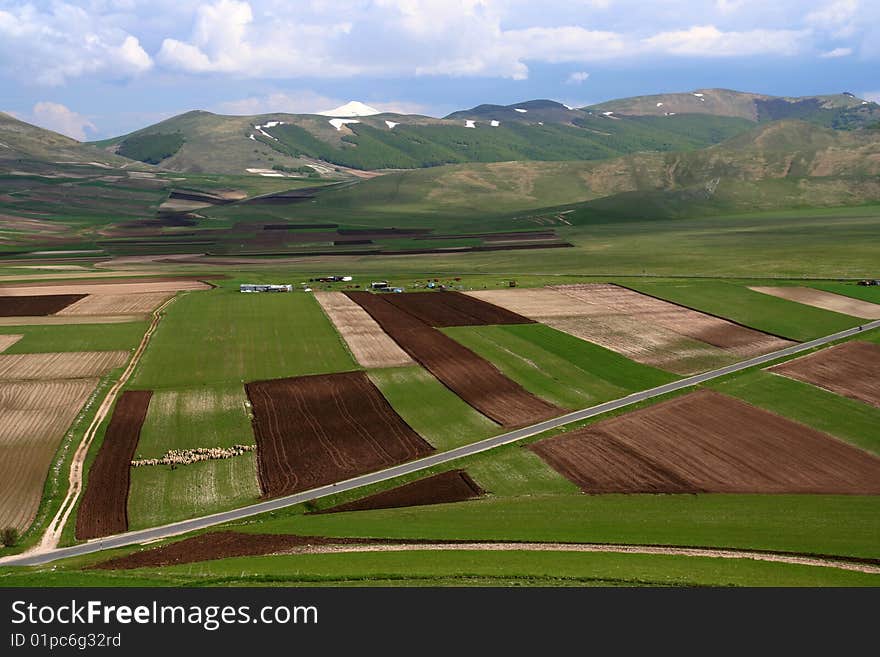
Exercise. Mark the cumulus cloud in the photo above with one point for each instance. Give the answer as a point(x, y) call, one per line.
point(709, 41)
point(57, 117)
point(578, 77)
point(52, 46)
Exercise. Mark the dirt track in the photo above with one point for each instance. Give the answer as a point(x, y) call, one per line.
point(104, 507)
point(825, 300)
point(471, 377)
point(453, 309)
point(851, 369)
point(443, 488)
point(366, 340)
point(707, 442)
point(12, 305)
point(315, 430)
point(228, 544)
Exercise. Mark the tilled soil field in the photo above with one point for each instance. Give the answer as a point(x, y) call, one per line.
point(366, 340)
point(117, 304)
point(33, 418)
point(444, 309)
point(61, 365)
point(471, 377)
point(648, 330)
point(220, 545)
point(81, 288)
point(104, 507)
point(12, 305)
point(446, 487)
point(705, 442)
point(851, 369)
point(314, 430)
point(825, 300)
point(8, 340)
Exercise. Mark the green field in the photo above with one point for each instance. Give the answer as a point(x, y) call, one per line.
point(75, 337)
point(433, 410)
point(847, 419)
point(455, 568)
point(223, 336)
point(185, 419)
point(734, 300)
point(562, 369)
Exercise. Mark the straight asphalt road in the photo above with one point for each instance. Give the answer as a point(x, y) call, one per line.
point(173, 529)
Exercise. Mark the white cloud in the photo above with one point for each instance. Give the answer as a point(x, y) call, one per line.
point(837, 16)
point(709, 41)
point(57, 117)
point(50, 47)
point(578, 77)
point(873, 96)
point(837, 52)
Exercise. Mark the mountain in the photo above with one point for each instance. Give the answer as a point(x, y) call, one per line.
point(23, 141)
point(778, 165)
point(205, 142)
point(840, 111)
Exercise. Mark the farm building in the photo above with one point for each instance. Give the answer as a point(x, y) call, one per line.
point(253, 287)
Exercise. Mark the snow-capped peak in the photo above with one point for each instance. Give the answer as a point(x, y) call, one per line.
point(352, 108)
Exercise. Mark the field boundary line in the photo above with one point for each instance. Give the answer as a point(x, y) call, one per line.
point(204, 522)
point(52, 536)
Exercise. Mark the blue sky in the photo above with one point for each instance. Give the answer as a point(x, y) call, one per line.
point(104, 67)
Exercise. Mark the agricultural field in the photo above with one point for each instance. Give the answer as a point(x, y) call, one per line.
point(821, 299)
point(205, 417)
point(33, 418)
point(316, 430)
point(849, 369)
point(645, 329)
point(705, 442)
point(222, 336)
point(103, 509)
point(62, 365)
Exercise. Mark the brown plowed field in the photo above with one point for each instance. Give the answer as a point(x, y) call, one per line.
point(13, 305)
point(104, 507)
point(446, 487)
point(366, 340)
point(117, 304)
point(102, 287)
point(315, 430)
point(851, 369)
point(453, 309)
point(708, 442)
point(33, 418)
point(648, 330)
point(220, 545)
point(471, 377)
point(7, 341)
point(825, 300)
point(62, 365)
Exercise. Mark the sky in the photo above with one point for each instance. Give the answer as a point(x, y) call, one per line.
point(101, 68)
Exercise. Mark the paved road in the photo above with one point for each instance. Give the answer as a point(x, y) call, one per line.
point(156, 533)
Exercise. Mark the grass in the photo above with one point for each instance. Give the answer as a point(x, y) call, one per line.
point(818, 524)
point(735, 301)
point(431, 409)
point(558, 367)
point(183, 419)
point(512, 471)
point(75, 337)
point(223, 336)
point(848, 419)
point(454, 568)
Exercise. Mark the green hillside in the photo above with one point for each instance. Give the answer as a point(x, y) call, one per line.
point(23, 141)
point(842, 111)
